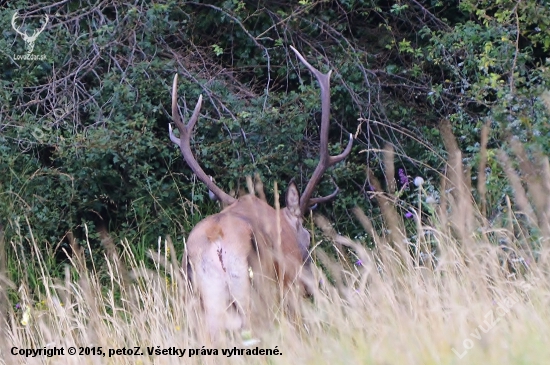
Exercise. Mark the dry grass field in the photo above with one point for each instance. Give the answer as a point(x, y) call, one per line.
point(463, 290)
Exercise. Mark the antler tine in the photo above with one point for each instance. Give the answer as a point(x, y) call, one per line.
point(325, 159)
point(184, 142)
point(324, 199)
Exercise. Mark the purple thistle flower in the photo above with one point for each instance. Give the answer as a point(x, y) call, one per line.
point(359, 263)
point(403, 178)
point(409, 215)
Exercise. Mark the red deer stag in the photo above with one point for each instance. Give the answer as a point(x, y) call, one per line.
point(248, 233)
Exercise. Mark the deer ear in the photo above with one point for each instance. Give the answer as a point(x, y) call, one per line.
point(293, 200)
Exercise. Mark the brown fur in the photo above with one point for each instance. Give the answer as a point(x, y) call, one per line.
point(222, 248)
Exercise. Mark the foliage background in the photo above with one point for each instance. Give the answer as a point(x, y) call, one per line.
point(83, 133)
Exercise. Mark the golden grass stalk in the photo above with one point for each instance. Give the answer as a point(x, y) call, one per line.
point(476, 302)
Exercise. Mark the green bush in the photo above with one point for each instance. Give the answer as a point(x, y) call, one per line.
point(83, 129)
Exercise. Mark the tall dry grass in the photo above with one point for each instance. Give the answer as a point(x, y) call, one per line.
point(464, 290)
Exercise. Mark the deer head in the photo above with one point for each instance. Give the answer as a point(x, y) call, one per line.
point(29, 39)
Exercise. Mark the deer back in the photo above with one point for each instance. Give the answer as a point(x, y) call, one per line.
point(273, 244)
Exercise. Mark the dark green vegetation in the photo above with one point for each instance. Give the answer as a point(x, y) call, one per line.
point(83, 128)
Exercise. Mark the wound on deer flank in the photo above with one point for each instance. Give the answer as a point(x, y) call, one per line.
point(221, 259)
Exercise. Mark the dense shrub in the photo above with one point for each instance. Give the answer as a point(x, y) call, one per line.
point(83, 129)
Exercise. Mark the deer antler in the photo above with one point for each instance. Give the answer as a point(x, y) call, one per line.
point(325, 160)
point(13, 18)
point(184, 142)
point(37, 32)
